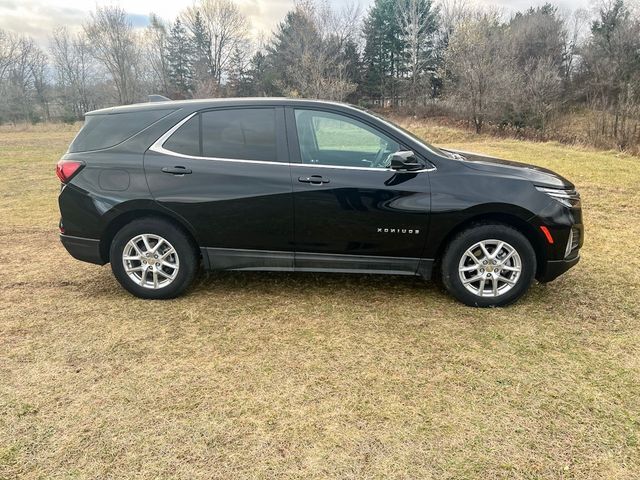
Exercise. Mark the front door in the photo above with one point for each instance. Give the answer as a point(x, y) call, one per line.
point(226, 172)
point(352, 212)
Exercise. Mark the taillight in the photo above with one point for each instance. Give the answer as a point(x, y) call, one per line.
point(66, 169)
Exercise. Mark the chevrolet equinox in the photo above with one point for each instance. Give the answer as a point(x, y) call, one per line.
point(160, 188)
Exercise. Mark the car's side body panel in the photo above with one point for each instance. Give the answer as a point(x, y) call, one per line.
point(232, 203)
point(357, 212)
point(259, 216)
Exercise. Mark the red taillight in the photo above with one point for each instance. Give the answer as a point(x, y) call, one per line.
point(66, 169)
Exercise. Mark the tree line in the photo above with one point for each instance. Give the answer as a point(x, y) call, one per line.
point(421, 57)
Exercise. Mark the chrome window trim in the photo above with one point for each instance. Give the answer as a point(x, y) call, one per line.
point(158, 147)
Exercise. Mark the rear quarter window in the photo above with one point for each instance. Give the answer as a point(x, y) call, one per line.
point(108, 130)
point(186, 139)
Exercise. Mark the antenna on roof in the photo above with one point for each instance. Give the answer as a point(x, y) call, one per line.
point(158, 98)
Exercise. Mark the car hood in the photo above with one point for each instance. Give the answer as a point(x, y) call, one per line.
point(537, 175)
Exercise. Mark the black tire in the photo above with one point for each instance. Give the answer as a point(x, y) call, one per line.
point(185, 250)
point(479, 233)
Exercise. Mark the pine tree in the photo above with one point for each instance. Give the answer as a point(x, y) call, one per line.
point(352, 61)
point(237, 83)
point(260, 78)
point(295, 41)
point(383, 51)
point(202, 48)
point(180, 56)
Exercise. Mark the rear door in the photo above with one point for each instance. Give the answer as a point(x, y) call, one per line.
point(226, 172)
point(352, 212)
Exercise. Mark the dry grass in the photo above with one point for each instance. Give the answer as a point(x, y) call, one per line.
point(318, 376)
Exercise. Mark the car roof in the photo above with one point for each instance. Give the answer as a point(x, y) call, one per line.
point(199, 104)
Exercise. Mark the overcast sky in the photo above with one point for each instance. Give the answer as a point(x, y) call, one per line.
point(38, 17)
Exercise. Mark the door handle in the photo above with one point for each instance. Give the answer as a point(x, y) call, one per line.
point(314, 179)
point(178, 170)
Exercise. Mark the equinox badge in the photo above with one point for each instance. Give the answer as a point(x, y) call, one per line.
point(401, 231)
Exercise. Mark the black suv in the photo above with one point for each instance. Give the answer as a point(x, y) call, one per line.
point(157, 189)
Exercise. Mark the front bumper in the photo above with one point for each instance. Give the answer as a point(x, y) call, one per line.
point(85, 249)
point(554, 268)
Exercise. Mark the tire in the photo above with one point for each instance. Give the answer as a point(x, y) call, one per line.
point(500, 283)
point(164, 273)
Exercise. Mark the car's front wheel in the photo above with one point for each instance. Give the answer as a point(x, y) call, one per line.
point(153, 259)
point(489, 265)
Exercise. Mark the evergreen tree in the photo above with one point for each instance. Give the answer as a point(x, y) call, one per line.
point(238, 83)
point(296, 41)
point(383, 52)
point(307, 60)
point(201, 47)
point(400, 50)
point(260, 78)
point(353, 66)
point(180, 58)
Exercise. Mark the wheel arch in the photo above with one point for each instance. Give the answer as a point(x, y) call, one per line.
point(117, 222)
point(514, 221)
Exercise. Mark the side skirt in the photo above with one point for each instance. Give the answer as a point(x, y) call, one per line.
point(266, 260)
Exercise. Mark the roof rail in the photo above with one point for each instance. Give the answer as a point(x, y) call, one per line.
point(158, 98)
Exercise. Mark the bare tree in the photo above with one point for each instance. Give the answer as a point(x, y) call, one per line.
point(341, 24)
point(23, 79)
point(8, 47)
point(114, 45)
point(542, 90)
point(38, 64)
point(417, 24)
point(225, 29)
point(537, 39)
point(75, 71)
point(451, 14)
point(156, 48)
point(611, 72)
point(306, 60)
point(479, 66)
point(574, 38)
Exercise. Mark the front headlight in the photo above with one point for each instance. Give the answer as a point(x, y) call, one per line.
point(569, 198)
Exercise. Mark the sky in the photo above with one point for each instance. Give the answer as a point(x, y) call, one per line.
point(38, 18)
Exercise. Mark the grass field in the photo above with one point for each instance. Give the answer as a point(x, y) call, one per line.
point(318, 376)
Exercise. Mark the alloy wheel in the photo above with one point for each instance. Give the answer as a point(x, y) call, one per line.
point(150, 261)
point(490, 268)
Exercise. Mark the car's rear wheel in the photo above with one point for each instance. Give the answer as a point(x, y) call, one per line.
point(488, 265)
point(153, 259)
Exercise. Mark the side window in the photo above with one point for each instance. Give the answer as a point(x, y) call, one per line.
point(245, 134)
point(186, 139)
point(332, 139)
point(106, 130)
point(239, 134)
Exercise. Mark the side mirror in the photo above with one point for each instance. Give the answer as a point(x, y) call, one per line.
point(405, 161)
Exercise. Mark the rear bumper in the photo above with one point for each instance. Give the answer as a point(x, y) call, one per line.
point(554, 268)
point(85, 249)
